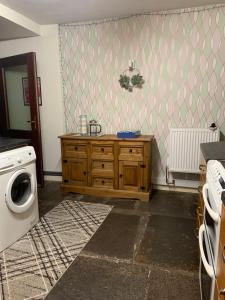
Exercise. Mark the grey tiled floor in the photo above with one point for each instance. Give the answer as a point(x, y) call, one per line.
point(142, 250)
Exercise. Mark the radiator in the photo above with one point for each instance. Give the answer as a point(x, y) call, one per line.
point(184, 148)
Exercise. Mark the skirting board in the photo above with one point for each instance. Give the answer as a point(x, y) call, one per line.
point(174, 188)
point(53, 178)
point(193, 184)
point(187, 186)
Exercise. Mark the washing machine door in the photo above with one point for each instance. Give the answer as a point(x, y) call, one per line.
point(21, 191)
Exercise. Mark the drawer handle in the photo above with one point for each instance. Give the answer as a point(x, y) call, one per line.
point(85, 173)
point(121, 175)
point(65, 180)
point(65, 160)
point(103, 166)
point(202, 168)
point(130, 150)
point(200, 214)
point(102, 149)
point(75, 148)
point(103, 181)
point(222, 292)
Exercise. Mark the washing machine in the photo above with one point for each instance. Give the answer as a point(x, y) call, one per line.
point(18, 194)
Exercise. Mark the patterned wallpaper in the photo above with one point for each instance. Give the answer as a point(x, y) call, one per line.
point(181, 56)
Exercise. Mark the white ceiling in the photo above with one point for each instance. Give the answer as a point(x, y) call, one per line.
point(45, 12)
point(66, 11)
point(10, 30)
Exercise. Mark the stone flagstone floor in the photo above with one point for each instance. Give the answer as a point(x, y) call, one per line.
point(145, 251)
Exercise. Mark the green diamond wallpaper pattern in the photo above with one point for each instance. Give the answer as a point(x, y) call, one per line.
point(181, 55)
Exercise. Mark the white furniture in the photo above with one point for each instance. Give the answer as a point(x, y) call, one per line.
point(18, 194)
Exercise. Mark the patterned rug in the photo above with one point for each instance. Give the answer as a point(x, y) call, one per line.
point(32, 266)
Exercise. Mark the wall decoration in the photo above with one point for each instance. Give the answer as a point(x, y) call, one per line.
point(181, 56)
point(26, 91)
point(131, 78)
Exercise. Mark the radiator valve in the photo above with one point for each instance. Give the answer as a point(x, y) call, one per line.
point(213, 126)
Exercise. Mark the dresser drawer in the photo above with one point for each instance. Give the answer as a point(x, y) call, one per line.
point(76, 149)
point(102, 182)
point(103, 168)
point(102, 151)
point(220, 272)
point(131, 151)
point(217, 293)
point(200, 207)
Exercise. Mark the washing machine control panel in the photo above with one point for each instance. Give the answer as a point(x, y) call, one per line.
point(6, 163)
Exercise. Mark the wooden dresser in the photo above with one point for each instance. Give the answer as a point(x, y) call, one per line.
point(107, 165)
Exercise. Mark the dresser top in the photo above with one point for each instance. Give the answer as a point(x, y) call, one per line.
point(107, 137)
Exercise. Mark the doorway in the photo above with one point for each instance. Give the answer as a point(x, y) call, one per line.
point(19, 103)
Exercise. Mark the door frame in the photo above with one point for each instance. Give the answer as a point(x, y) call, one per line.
point(28, 59)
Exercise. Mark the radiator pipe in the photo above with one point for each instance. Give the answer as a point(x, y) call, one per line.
point(167, 177)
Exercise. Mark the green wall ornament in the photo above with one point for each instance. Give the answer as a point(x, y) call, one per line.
point(129, 82)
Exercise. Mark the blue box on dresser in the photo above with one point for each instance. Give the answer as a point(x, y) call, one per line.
point(128, 134)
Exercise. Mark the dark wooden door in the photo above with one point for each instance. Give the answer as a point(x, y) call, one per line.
point(19, 103)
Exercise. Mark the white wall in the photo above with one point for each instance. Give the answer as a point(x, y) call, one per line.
point(46, 47)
